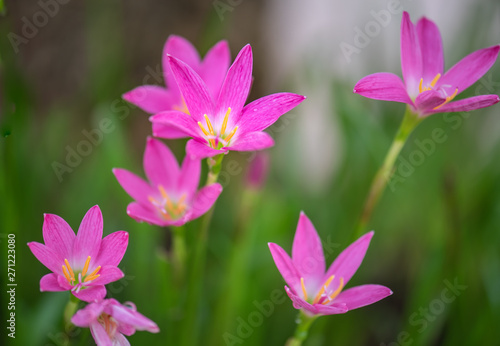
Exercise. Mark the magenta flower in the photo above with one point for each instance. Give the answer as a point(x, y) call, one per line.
point(426, 89)
point(109, 321)
point(83, 263)
point(154, 99)
point(317, 292)
point(170, 197)
point(223, 123)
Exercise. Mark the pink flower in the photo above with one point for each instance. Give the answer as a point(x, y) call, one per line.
point(154, 99)
point(317, 292)
point(426, 89)
point(83, 263)
point(222, 123)
point(170, 197)
point(258, 170)
point(109, 320)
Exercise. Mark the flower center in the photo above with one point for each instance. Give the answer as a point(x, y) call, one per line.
point(324, 296)
point(169, 209)
point(421, 89)
point(83, 278)
point(109, 324)
point(221, 140)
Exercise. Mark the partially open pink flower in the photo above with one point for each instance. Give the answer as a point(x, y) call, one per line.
point(222, 123)
point(311, 288)
point(109, 321)
point(171, 196)
point(212, 69)
point(426, 89)
point(81, 263)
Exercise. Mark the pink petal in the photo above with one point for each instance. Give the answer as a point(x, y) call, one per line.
point(136, 187)
point(49, 283)
point(176, 122)
point(89, 236)
point(428, 100)
point(234, 91)
point(349, 260)
point(197, 150)
point(100, 335)
point(359, 296)
point(50, 258)
point(332, 309)
point(468, 70)
point(120, 340)
point(183, 50)
point(113, 248)
point(167, 131)
point(307, 253)
point(151, 98)
point(299, 303)
point(108, 273)
point(193, 89)
point(252, 141)
point(189, 177)
point(214, 67)
point(86, 316)
point(160, 165)
point(286, 267)
point(139, 213)
point(262, 113)
point(58, 235)
point(126, 315)
point(431, 48)
point(383, 86)
point(411, 56)
point(204, 200)
point(91, 294)
point(468, 104)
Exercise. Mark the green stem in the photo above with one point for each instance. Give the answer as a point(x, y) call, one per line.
point(384, 174)
point(179, 253)
point(190, 322)
point(300, 335)
point(70, 310)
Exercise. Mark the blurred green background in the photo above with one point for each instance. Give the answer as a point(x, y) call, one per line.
point(438, 224)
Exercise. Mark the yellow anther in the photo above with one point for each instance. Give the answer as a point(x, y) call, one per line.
point(419, 86)
point(337, 291)
point(86, 266)
point(224, 123)
point(209, 125)
point(93, 275)
point(66, 274)
point(203, 129)
point(72, 275)
point(323, 288)
point(434, 81)
point(163, 192)
point(303, 288)
point(448, 99)
point(228, 138)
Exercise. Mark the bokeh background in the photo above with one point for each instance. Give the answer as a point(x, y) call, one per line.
point(437, 225)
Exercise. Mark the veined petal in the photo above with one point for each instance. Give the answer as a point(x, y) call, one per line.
point(47, 256)
point(136, 187)
point(193, 89)
point(178, 121)
point(468, 70)
point(126, 315)
point(183, 50)
point(234, 91)
point(383, 86)
point(89, 236)
point(140, 213)
point(86, 316)
point(252, 141)
point(167, 131)
point(359, 296)
point(120, 340)
point(49, 283)
point(307, 253)
point(428, 100)
point(299, 303)
point(113, 248)
point(332, 309)
point(58, 235)
point(349, 260)
point(204, 200)
point(262, 113)
point(100, 335)
point(411, 56)
point(108, 273)
point(160, 165)
point(468, 104)
point(214, 67)
point(189, 177)
point(151, 98)
point(199, 150)
point(431, 47)
point(91, 294)
point(285, 266)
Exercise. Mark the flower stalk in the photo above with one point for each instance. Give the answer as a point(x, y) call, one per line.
point(179, 253)
point(304, 323)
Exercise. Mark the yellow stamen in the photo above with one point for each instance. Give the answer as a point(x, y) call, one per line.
point(434, 81)
point(303, 288)
point(163, 192)
point(66, 275)
point(152, 200)
point(419, 86)
point(337, 291)
point(86, 266)
point(224, 123)
point(93, 275)
point(203, 129)
point(228, 138)
point(211, 140)
point(320, 293)
point(70, 270)
point(209, 125)
point(448, 99)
